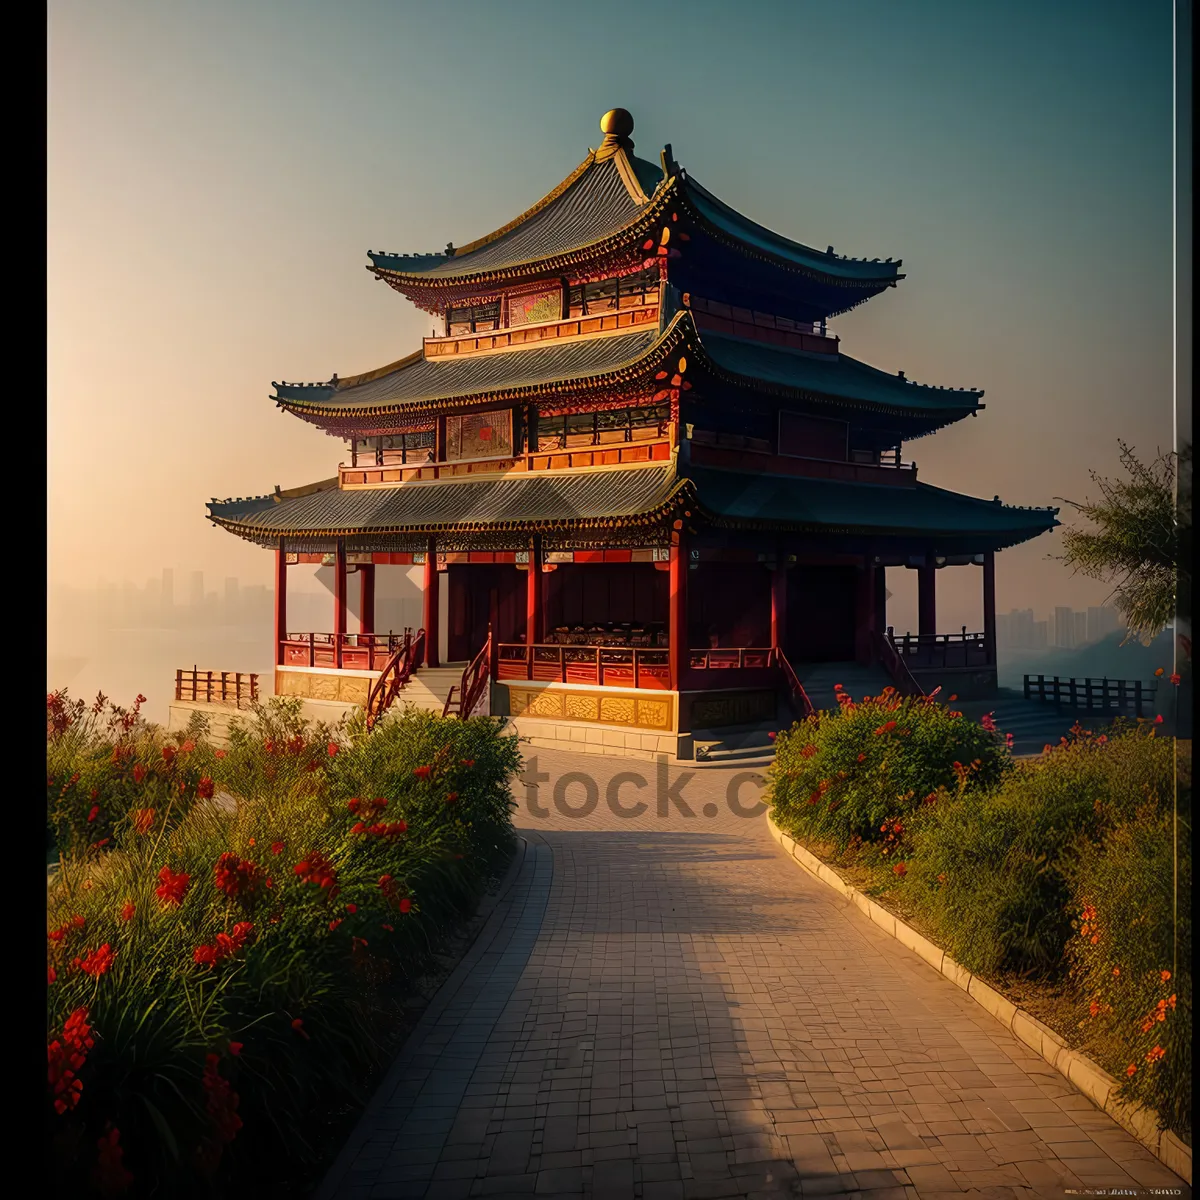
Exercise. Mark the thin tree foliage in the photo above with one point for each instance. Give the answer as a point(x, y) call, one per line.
point(1133, 540)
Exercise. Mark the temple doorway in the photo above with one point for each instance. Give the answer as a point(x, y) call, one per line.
point(483, 594)
point(822, 613)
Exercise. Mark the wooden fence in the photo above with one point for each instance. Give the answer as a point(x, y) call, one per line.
point(1091, 695)
point(234, 688)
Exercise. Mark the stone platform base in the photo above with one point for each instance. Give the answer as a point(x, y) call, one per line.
point(608, 740)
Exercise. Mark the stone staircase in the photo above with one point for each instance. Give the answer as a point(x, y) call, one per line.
point(428, 687)
point(818, 679)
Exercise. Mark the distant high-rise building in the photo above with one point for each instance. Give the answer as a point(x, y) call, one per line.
point(233, 599)
point(1040, 635)
point(1081, 637)
point(196, 591)
point(168, 589)
point(1064, 628)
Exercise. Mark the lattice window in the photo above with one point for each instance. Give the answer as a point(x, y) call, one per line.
point(479, 435)
point(530, 308)
point(622, 291)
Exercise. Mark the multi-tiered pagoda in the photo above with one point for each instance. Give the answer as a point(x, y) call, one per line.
point(653, 485)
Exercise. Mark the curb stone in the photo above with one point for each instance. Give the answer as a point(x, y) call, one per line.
point(1097, 1084)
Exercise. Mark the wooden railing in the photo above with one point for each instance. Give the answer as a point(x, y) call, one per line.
point(796, 693)
point(223, 687)
point(894, 664)
point(943, 649)
point(346, 651)
point(605, 666)
point(734, 658)
point(1091, 695)
point(604, 454)
point(465, 695)
point(396, 672)
point(546, 331)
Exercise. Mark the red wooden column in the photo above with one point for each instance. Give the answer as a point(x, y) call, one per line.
point(366, 599)
point(677, 610)
point(339, 601)
point(280, 601)
point(533, 593)
point(431, 605)
point(927, 597)
point(779, 602)
point(989, 605)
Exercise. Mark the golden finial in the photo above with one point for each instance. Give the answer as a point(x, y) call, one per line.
point(617, 122)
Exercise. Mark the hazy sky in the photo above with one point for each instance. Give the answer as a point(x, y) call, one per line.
point(218, 170)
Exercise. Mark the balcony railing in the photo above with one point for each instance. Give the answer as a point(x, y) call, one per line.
point(735, 658)
point(232, 688)
point(603, 666)
point(1113, 696)
point(605, 454)
point(346, 651)
point(921, 650)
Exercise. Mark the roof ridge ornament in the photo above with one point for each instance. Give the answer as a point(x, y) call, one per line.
point(616, 125)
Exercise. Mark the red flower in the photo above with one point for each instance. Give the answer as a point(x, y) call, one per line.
point(172, 886)
point(861, 757)
point(276, 847)
point(110, 1176)
point(226, 945)
point(771, 735)
point(220, 754)
point(235, 1048)
point(66, 1057)
point(452, 796)
point(51, 975)
point(389, 928)
point(953, 698)
point(204, 789)
point(467, 762)
point(358, 827)
point(188, 746)
point(221, 1105)
point(422, 772)
point(97, 962)
point(1157, 672)
point(335, 923)
point(298, 1026)
point(94, 813)
point(354, 805)
point(332, 748)
point(1175, 679)
point(236, 877)
point(1158, 719)
point(405, 905)
point(900, 869)
point(127, 910)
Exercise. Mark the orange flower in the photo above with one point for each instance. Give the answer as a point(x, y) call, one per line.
point(1116, 971)
point(1155, 1054)
point(1129, 1070)
point(1157, 672)
point(1165, 976)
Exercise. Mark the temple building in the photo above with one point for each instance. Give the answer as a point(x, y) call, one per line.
point(647, 490)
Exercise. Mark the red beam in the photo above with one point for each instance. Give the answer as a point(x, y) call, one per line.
point(339, 600)
point(678, 628)
point(280, 601)
point(533, 593)
point(366, 600)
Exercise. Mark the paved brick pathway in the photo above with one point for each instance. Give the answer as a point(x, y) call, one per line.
point(667, 1006)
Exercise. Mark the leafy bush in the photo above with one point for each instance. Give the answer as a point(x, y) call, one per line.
point(1136, 981)
point(989, 870)
point(103, 759)
point(858, 773)
point(229, 968)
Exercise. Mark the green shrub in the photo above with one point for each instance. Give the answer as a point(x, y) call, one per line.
point(1136, 982)
point(228, 970)
point(857, 773)
point(103, 760)
point(989, 870)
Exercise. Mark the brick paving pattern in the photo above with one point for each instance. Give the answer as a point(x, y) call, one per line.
point(666, 1006)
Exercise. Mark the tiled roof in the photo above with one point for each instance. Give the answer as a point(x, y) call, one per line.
point(592, 207)
point(541, 498)
point(788, 501)
point(729, 220)
point(839, 375)
point(418, 379)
